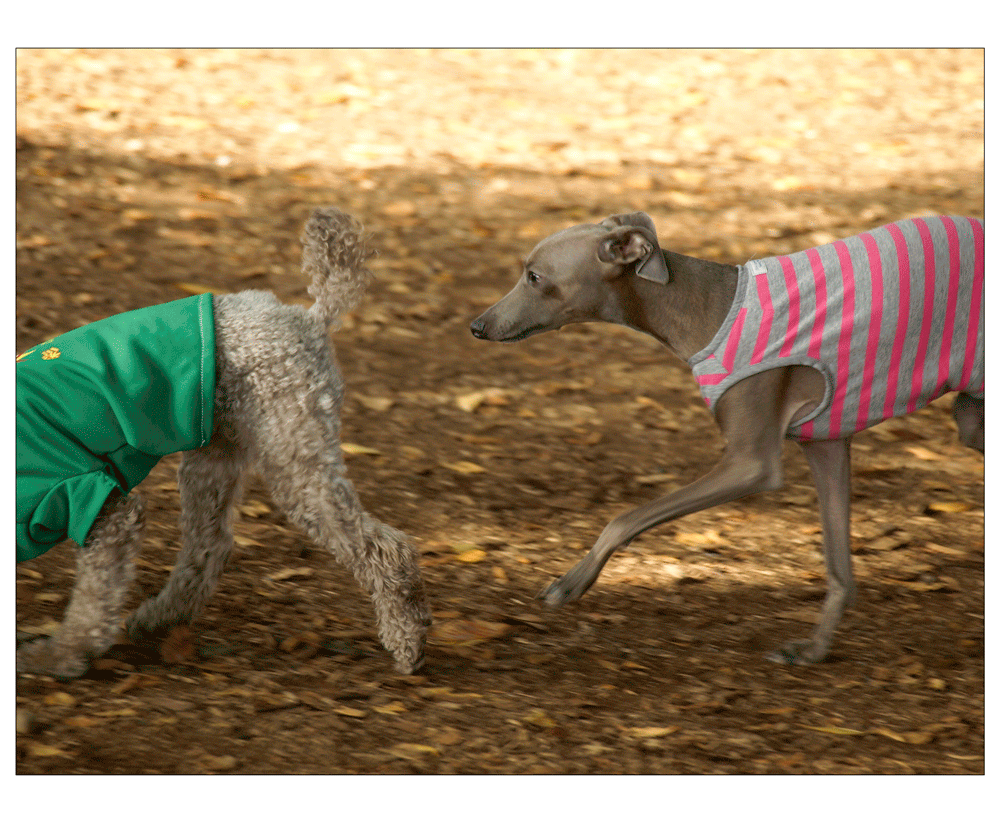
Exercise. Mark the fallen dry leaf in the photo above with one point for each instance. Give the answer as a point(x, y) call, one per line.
point(286, 574)
point(128, 711)
point(129, 683)
point(377, 404)
point(944, 584)
point(449, 737)
point(82, 722)
point(396, 707)
point(654, 479)
point(187, 213)
point(952, 506)
point(353, 449)
point(918, 738)
point(254, 508)
point(834, 730)
point(490, 397)
point(464, 467)
point(304, 641)
point(267, 702)
point(400, 208)
point(185, 122)
point(924, 454)
point(539, 719)
point(710, 537)
point(936, 547)
point(468, 632)
point(44, 750)
point(650, 732)
point(46, 627)
point(788, 183)
point(413, 751)
point(222, 763)
point(199, 288)
point(434, 691)
point(178, 646)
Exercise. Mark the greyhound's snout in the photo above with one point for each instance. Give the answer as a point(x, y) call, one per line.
point(478, 328)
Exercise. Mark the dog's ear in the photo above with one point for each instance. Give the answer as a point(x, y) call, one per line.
point(635, 218)
point(631, 238)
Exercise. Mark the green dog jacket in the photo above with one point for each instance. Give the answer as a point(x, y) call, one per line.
point(99, 406)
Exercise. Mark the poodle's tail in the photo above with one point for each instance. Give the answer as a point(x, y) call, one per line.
point(333, 255)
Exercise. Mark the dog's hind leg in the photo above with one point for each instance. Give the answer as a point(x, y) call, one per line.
point(323, 503)
point(830, 462)
point(970, 413)
point(104, 573)
point(299, 456)
point(209, 481)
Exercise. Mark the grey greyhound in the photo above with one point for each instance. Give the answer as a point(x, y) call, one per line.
point(889, 320)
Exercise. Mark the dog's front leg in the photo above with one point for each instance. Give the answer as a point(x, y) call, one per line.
point(733, 478)
point(104, 572)
point(209, 480)
point(753, 415)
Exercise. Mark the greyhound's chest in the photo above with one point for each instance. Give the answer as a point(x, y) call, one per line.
point(892, 318)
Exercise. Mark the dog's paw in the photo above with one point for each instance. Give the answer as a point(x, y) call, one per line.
point(44, 657)
point(405, 667)
point(564, 590)
point(798, 653)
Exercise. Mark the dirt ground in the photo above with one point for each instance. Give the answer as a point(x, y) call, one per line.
point(145, 176)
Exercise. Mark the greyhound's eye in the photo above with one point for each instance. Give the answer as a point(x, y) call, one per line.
point(533, 277)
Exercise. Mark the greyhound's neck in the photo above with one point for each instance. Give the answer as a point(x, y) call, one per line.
point(685, 313)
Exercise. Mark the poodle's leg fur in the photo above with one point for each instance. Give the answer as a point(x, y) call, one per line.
point(104, 573)
point(292, 423)
point(209, 482)
point(319, 499)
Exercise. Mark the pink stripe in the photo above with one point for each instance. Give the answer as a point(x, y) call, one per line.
point(806, 430)
point(874, 329)
point(711, 379)
point(976, 303)
point(792, 286)
point(892, 378)
point(819, 275)
point(954, 277)
point(733, 344)
point(925, 328)
point(844, 342)
point(766, 318)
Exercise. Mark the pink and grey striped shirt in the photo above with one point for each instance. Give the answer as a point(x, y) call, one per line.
point(892, 318)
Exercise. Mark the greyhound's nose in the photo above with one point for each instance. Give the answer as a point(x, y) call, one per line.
point(478, 328)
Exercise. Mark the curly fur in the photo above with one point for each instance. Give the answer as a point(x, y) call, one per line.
point(333, 255)
point(277, 410)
